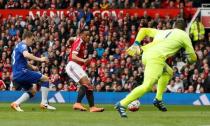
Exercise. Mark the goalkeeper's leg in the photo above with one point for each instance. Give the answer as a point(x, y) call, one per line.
point(163, 81)
point(161, 87)
point(153, 71)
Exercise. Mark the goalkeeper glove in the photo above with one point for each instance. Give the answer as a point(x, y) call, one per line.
point(134, 49)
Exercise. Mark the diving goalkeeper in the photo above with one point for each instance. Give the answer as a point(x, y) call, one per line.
point(166, 43)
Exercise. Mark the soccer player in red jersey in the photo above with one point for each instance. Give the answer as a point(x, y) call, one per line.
point(75, 70)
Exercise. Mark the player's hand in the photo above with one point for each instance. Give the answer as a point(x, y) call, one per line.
point(44, 59)
point(35, 68)
point(134, 50)
point(86, 61)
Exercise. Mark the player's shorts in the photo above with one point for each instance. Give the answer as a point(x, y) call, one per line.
point(26, 78)
point(75, 71)
point(154, 57)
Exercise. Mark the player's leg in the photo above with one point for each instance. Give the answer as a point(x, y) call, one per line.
point(161, 87)
point(151, 74)
point(84, 81)
point(81, 93)
point(80, 96)
point(163, 81)
point(79, 76)
point(30, 77)
point(29, 93)
point(72, 71)
point(153, 71)
point(44, 91)
point(25, 81)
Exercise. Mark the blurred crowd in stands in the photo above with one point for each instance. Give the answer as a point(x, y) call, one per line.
point(110, 69)
point(98, 4)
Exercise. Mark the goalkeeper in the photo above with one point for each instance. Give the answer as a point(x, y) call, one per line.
point(166, 43)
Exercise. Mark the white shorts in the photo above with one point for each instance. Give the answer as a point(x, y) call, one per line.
point(75, 71)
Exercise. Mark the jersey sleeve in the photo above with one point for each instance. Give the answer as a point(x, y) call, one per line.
point(190, 52)
point(143, 32)
point(22, 48)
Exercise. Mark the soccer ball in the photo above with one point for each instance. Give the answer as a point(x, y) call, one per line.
point(134, 106)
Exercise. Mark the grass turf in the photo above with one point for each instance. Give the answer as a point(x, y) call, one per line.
point(65, 116)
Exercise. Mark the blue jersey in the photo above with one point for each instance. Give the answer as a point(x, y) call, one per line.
point(22, 76)
point(19, 62)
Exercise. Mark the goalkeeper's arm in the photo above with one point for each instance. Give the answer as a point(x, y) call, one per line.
point(143, 32)
point(190, 52)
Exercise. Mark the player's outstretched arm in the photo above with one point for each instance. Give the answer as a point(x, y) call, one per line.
point(35, 68)
point(30, 56)
point(143, 32)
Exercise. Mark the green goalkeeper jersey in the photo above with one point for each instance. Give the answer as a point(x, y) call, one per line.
point(167, 42)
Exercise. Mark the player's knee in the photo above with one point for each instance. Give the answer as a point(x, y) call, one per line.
point(85, 82)
point(168, 70)
point(88, 86)
point(148, 84)
point(170, 75)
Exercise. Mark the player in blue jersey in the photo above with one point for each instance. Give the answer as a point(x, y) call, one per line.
point(25, 74)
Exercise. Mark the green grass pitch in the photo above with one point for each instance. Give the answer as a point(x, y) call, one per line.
point(65, 116)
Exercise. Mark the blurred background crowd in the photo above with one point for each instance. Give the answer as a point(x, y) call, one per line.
point(110, 69)
point(98, 4)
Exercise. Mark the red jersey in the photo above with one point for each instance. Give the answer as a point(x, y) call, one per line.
point(78, 47)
